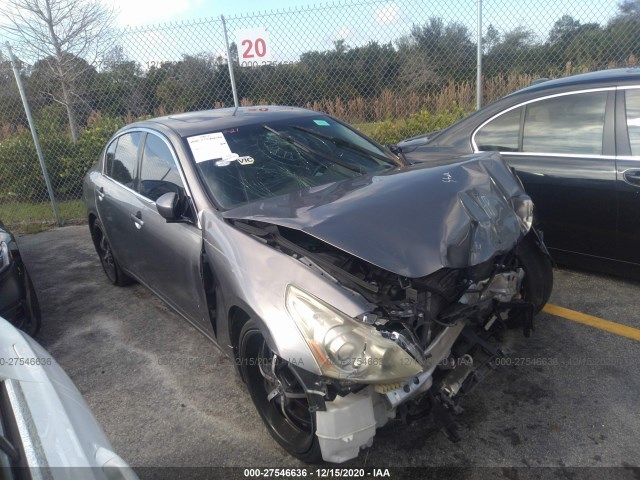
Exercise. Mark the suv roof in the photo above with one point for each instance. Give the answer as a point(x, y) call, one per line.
point(616, 75)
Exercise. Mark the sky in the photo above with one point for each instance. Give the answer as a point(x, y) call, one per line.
point(357, 22)
point(316, 28)
point(144, 12)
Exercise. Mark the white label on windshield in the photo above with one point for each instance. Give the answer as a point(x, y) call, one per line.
point(245, 160)
point(234, 157)
point(209, 146)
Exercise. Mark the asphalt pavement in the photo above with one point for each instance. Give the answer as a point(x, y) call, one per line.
point(567, 396)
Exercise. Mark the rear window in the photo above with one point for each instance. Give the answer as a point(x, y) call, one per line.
point(123, 165)
point(501, 134)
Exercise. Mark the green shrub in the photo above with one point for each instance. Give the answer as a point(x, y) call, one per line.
point(392, 131)
point(21, 178)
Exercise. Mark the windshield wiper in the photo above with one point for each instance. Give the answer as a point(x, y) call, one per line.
point(341, 142)
point(311, 151)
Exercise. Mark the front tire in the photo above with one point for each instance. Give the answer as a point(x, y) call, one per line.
point(538, 280)
point(279, 396)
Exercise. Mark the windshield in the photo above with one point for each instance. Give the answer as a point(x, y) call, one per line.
point(253, 162)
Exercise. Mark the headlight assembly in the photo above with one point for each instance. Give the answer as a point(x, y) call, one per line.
point(345, 348)
point(523, 207)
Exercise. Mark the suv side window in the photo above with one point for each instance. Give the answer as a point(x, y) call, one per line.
point(124, 166)
point(159, 173)
point(572, 124)
point(632, 100)
point(501, 134)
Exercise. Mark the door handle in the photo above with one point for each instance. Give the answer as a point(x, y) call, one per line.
point(137, 219)
point(101, 193)
point(632, 177)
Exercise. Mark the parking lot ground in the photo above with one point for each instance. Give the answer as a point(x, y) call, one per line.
point(567, 396)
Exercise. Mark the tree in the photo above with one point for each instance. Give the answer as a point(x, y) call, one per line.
point(563, 30)
point(629, 8)
point(491, 39)
point(623, 33)
point(438, 49)
point(60, 32)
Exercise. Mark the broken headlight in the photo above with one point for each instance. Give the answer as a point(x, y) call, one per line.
point(345, 348)
point(523, 207)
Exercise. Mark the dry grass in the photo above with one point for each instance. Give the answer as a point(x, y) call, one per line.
point(8, 130)
point(392, 105)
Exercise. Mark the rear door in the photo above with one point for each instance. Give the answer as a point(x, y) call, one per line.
point(117, 197)
point(628, 170)
point(563, 150)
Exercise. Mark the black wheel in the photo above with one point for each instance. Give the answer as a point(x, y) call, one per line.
point(538, 280)
point(31, 318)
point(107, 259)
point(279, 397)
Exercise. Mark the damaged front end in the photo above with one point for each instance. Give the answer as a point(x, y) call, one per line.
point(424, 342)
point(435, 314)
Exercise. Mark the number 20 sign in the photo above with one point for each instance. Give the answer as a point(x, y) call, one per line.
point(253, 47)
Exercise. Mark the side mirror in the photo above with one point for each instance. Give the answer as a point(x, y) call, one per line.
point(167, 205)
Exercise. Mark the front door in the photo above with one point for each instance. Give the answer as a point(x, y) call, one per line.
point(170, 253)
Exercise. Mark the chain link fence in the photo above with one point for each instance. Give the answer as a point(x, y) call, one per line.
point(391, 67)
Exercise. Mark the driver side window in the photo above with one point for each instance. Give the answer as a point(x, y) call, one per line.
point(159, 173)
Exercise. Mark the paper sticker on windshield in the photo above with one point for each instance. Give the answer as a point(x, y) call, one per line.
point(322, 123)
point(209, 146)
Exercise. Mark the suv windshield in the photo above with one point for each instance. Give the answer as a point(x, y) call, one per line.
point(262, 160)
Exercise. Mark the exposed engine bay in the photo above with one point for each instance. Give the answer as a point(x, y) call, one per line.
point(449, 322)
point(419, 308)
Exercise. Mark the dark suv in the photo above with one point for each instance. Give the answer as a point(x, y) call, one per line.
point(575, 144)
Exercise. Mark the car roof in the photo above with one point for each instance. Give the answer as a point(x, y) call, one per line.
point(207, 121)
point(584, 81)
point(612, 76)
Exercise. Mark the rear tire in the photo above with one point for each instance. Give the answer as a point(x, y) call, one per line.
point(287, 418)
point(109, 263)
point(538, 281)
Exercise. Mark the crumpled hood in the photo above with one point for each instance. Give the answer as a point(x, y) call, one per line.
point(412, 220)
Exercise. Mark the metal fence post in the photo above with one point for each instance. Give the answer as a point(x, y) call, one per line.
point(230, 63)
point(34, 134)
point(479, 67)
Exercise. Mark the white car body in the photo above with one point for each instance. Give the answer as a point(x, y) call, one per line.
point(46, 419)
